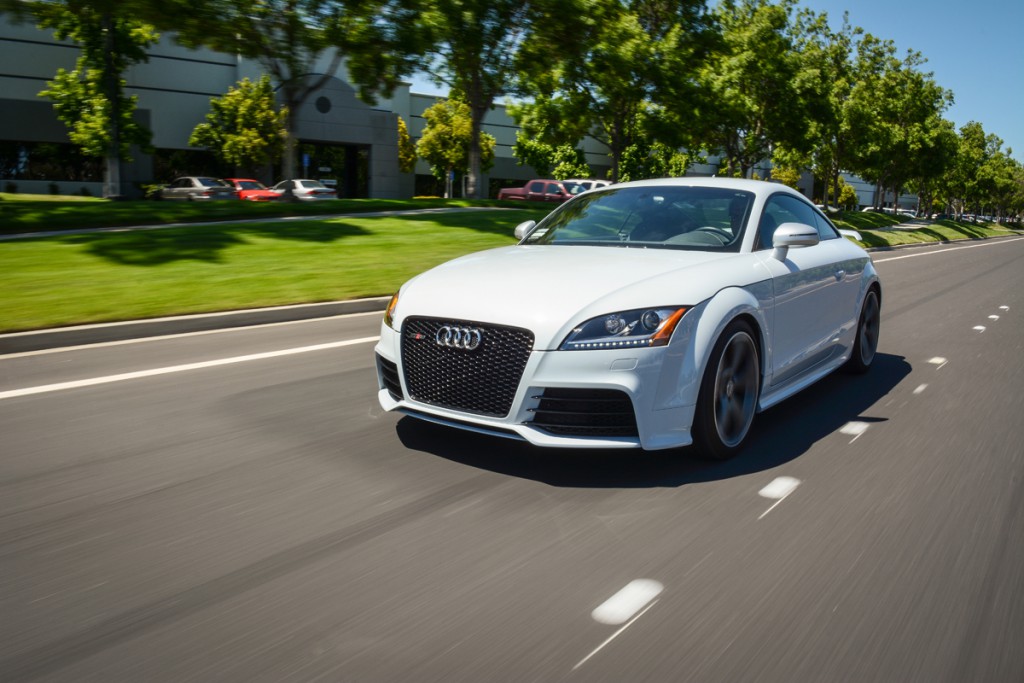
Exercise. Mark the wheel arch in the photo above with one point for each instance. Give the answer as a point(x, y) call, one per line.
point(749, 304)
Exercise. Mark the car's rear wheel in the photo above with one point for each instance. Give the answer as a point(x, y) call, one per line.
point(868, 329)
point(728, 394)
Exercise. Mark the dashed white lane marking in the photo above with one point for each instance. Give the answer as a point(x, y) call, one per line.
point(1004, 308)
point(854, 429)
point(940, 361)
point(628, 605)
point(621, 607)
point(979, 328)
point(993, 317)
point(778, 490)
point(61, 386)
point(920, 389)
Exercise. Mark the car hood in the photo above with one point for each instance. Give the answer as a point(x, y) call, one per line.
point(550, 289)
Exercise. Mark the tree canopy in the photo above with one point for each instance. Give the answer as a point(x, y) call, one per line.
point(244, 127)
point(446, 141)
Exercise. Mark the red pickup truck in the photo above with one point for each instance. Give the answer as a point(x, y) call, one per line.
point(542, 191)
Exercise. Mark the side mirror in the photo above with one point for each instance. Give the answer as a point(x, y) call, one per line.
point(852, 234)
point(523, 229)
point(793, 235)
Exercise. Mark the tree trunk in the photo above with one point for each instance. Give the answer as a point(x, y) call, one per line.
point(473, 183)
point(111, 83)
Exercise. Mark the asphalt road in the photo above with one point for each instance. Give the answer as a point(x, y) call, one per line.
point(234, 506)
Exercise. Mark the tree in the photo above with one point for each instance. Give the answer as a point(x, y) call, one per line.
point(652, 159)
point(446, 141)
point(761, 92)
point(558, 161)
point(901, 107)
point(90, 98)
point(569, 162)
point(629, 78)
point(244, 127)
point(406, 149)
point(290, 37)
point(475, 47)
point(830, 55)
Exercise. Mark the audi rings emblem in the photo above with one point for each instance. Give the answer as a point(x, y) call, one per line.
point(465, 338)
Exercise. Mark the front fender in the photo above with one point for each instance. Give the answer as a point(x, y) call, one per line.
point(700, 328)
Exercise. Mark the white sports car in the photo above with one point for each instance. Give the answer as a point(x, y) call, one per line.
point(652, 314)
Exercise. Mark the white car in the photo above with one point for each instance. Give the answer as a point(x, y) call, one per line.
point(305, 189)
point(653, 314)
point(589, 183)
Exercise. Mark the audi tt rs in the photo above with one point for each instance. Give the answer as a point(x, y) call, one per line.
point(654, 314)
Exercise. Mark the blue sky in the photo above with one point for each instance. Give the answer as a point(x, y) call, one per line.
point(974, 48)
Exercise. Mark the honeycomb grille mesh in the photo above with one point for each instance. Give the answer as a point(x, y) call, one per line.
point(482, 381)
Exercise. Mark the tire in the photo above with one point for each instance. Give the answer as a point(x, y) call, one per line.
point(728, 395)
point(865, 344)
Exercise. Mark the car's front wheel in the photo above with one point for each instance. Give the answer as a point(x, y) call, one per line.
point(728, 393)
point(868, 328)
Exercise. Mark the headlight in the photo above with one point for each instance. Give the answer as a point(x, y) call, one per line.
point(389, 313)
point(640, 328)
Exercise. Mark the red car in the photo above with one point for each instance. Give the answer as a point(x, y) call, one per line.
point(252, 190)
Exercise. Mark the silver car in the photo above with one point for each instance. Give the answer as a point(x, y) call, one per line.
point(198, 188)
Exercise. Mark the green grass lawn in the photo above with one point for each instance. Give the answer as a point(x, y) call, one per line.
point(105, 276)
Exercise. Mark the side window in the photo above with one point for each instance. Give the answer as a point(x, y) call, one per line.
point(554, 189)
point(536, 187)
point(781, 209)
point(826, 231)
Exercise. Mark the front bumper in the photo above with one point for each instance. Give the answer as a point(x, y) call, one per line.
point(656, 381)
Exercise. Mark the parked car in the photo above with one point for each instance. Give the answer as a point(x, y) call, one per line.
point(197, 188)
point(305, 189)
point(252, 190)
point(589, 183)
point(652, 314)
point(542, 191)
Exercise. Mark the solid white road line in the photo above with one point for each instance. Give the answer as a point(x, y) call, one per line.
point(61, 386)
point(177, 335)
point(945, 251)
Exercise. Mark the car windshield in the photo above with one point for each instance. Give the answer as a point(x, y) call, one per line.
point(312, 184)
point(250, 185)
point(670, 217)
point(211, 182)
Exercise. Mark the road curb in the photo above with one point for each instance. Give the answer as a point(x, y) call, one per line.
point(38, 340)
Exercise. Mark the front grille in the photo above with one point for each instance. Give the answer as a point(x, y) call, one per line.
point(482, 381)
point(389, 375)
point(585, 412)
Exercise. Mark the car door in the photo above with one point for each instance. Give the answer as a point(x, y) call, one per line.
point(177, 189)
point(535, 191)
point(805, 318)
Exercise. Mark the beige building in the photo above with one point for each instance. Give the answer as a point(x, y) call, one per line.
point(342, 139)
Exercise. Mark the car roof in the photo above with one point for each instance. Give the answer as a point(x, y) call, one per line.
point(758, 187)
